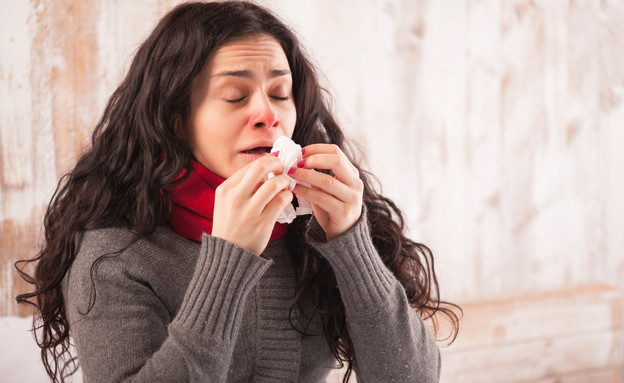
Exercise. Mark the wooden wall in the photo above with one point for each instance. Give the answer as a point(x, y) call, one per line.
point(497, 125)
point(572, 335)
point(60, 62)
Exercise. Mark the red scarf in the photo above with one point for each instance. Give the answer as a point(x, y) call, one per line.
point(193, 205)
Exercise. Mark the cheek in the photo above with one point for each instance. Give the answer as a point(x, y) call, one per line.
point(289, 120)
point(205, 135)
point(211, 126)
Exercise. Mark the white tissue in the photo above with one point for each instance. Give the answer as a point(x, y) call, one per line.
point(290, 155)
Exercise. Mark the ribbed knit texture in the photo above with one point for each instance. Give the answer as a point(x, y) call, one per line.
point(373, 318)
point(215, 297)
point(366, 290)
point(278, 345)
point(170, 310)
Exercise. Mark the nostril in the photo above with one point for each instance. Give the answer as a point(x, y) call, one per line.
point(264, 119)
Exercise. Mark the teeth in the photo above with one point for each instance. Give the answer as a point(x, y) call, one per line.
point(259, 150)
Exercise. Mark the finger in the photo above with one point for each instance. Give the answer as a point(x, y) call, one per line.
point(323, 200)
point(253, 174)
point(326, 183)
point(331, 157)
point(277, 204)
point(267, 192)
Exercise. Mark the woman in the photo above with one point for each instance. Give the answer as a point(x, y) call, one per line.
point(162, 258)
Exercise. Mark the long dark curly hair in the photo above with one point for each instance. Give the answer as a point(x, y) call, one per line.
point(136, 155)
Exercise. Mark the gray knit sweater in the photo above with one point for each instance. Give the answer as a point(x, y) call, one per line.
point(167, 309)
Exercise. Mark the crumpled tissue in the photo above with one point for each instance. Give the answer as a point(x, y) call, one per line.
point(290, 155)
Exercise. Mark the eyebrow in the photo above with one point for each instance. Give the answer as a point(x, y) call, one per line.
point(249, 74)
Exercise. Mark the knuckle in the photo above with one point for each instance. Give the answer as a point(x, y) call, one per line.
point(279, 182)
point(258, 166)
point(236, 198)
point(328, 180)
point(221, 191)
point(359, 184)
point(353, 195)
point(284, 182)
point(285, 197)
point(337, 160)
point(234, 193)
point(254, 167)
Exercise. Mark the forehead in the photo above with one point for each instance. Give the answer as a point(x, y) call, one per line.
point(243, 53)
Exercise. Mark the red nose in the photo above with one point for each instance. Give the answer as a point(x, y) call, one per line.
point(266, 118)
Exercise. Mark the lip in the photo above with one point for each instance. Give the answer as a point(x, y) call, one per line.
point(267, 143)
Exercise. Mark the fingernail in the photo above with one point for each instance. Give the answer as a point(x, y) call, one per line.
point(300, 163)
point(302, 151)
point(291, 170)
point(275, 153)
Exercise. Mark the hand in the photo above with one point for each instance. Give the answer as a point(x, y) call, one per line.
point(336, 201)
point(247, 206)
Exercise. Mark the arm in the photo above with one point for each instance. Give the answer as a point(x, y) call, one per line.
point(392, 344)
point(390, 340)
point(129, 336)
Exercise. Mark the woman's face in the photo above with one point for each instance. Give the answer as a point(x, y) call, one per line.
point(241, 102)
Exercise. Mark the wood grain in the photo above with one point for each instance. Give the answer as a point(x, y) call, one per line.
point(17, 241)
point(495, 125)
point(557, 336)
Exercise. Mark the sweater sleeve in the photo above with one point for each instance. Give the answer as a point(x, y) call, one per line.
point(128, 335)
point(391, 342)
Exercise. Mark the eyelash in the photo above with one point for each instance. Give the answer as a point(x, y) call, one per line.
point(238, 100)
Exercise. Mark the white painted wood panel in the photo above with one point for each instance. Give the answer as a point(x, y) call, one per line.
point(567, 335)
point(497, 125)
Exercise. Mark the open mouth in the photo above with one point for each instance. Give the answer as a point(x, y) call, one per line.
point(262, 150)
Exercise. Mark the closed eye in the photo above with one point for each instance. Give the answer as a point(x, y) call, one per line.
point(236, 101)
point(279, 98)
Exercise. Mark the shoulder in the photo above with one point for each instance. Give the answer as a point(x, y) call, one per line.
point(100, 241)
point(116, 263)
point(116, 252)
point(111, 241)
